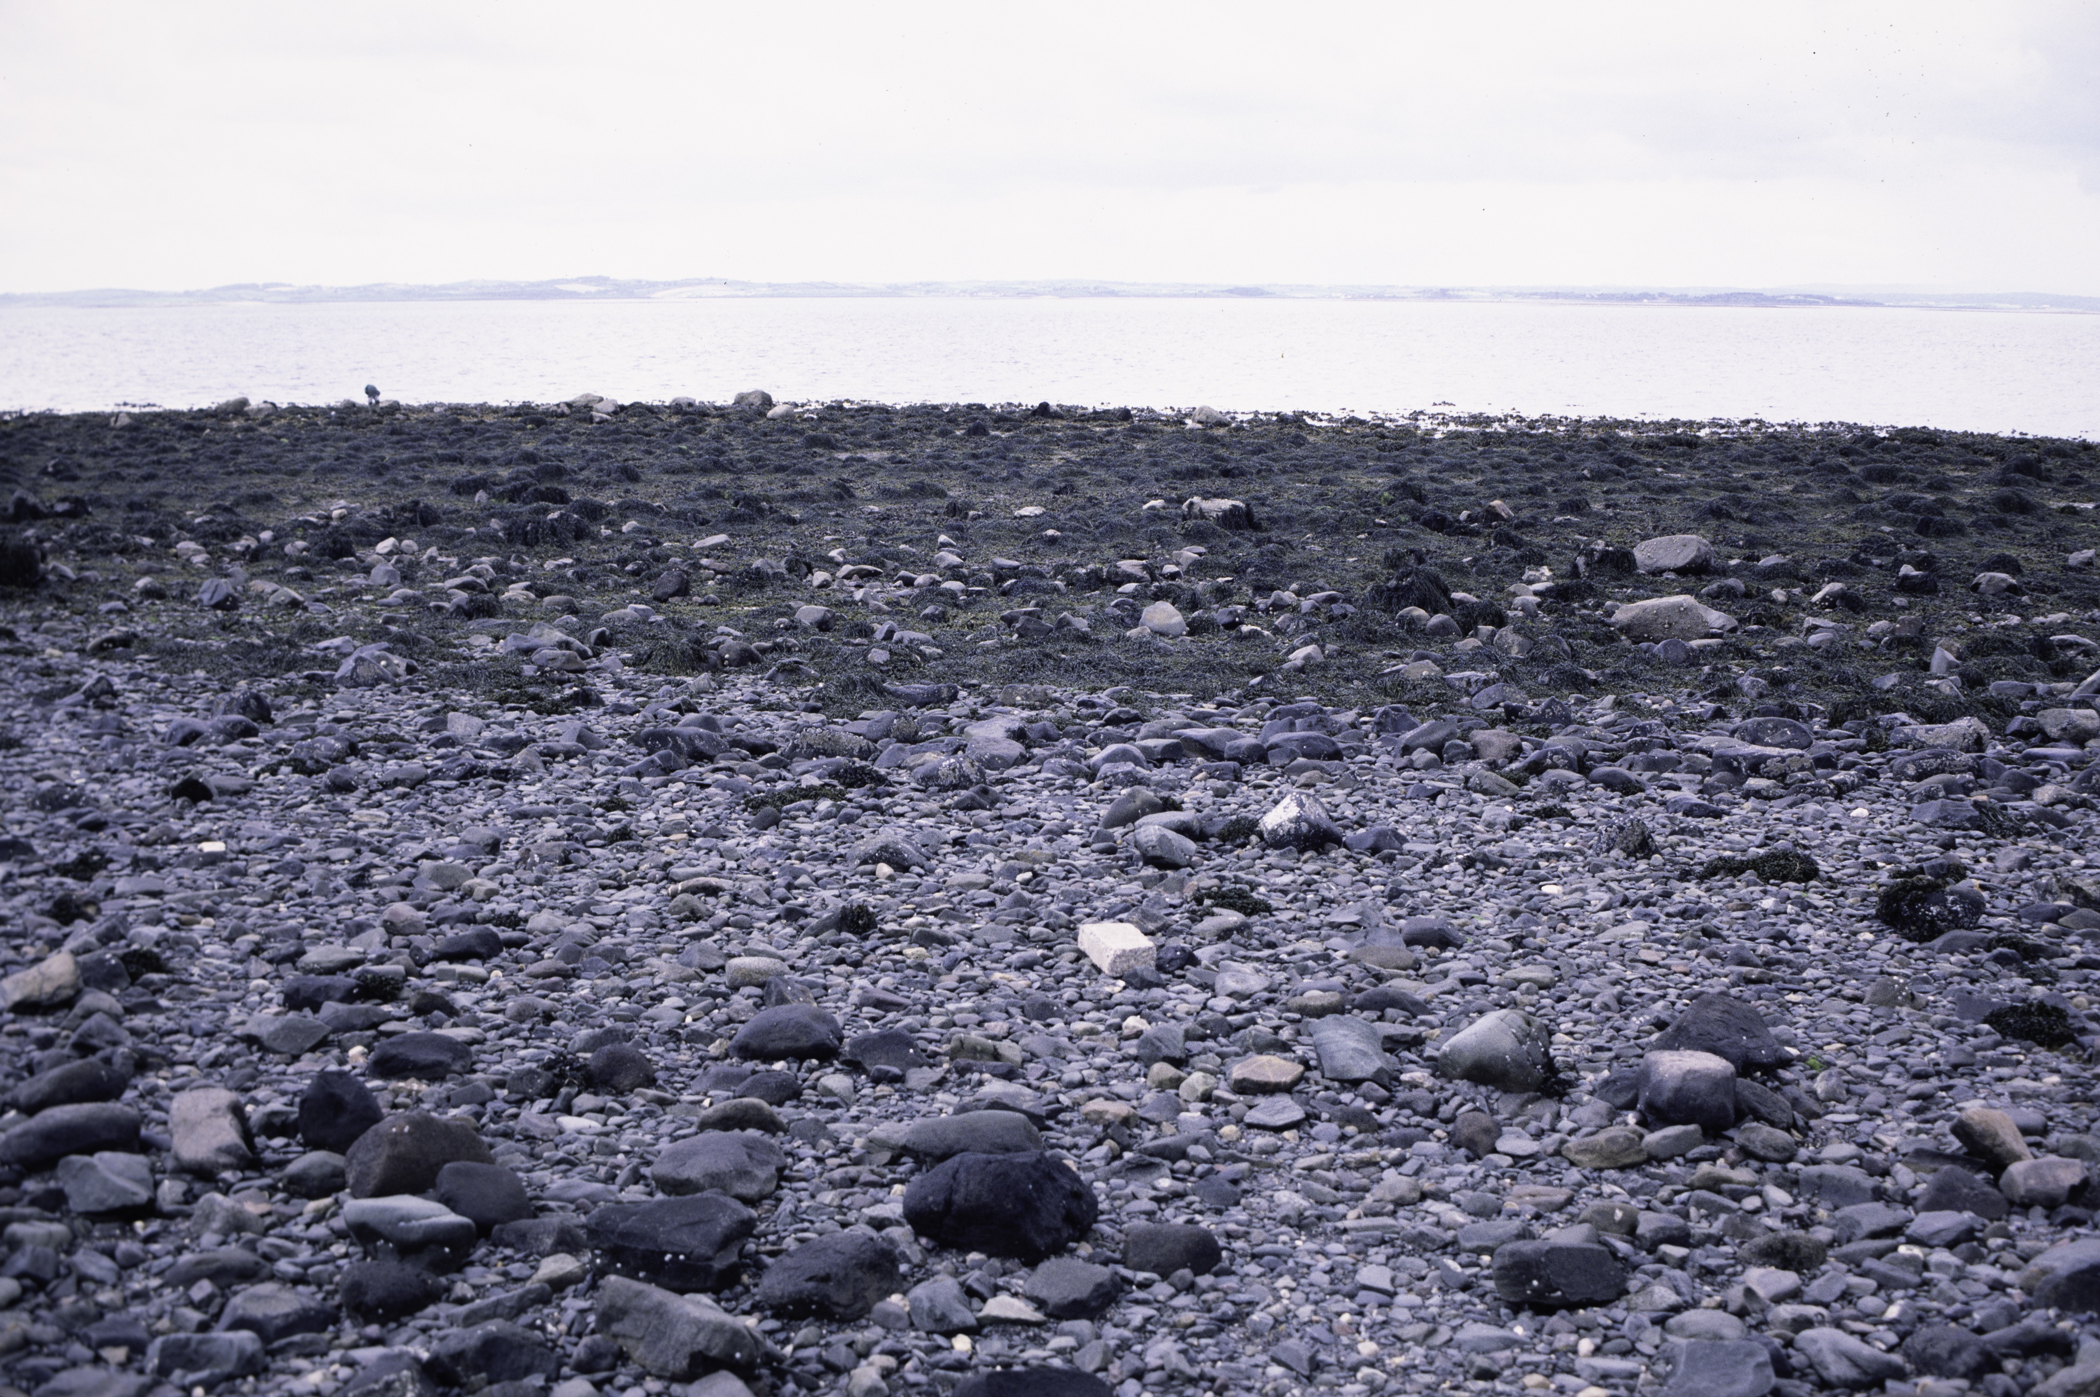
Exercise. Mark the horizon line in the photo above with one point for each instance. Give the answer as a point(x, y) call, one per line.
point(604, 288)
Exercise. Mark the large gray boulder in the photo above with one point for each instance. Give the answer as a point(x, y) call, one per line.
point(680, 1337)
point(1506, 1049)
point(1679, 553)
point(741, 1163)
point(1671, 618)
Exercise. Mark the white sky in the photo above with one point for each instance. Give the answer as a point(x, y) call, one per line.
point(1917, 145)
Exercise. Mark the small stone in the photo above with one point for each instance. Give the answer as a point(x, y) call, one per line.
point(50, 983)
point(1265, 1073)
point(1299, 821)
point(210, 1131)
point(1991, 1136)
point(1554, 1275)
point(1164, 1248)
point(1068, 1288)
point(839, 1276)
point(1615, 1147)
point(1844, 1361)
point(788, 1031)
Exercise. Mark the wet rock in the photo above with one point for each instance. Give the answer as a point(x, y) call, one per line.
point(1727, 1027)
point(1166, 1247)
point(1020, 1205)
point(404, 1153)
point(205, 1360)
point(86, 1128)
point(1506, 1049)
point(488, 1195)
point(1688, 1088)
point(974, 1132)
point(335, 1109)
point(492, 1353)
point(840, 1276)
point(418, 1231)
point(788, 1031)
point(426, 1057)
point(1844, 1361)
point(1065, 1287)
point(673, 1336)
point(210, 1131)
point(682, 1244)
point(743, 1164)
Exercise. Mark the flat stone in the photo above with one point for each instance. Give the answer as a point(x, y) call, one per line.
point(743, 1164)
point(106, 1182)
point(1265, 1073)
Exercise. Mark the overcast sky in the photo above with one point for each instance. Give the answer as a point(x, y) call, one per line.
point(1914, 145)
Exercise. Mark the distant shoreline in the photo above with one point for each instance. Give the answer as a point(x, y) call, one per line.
point(579, 290)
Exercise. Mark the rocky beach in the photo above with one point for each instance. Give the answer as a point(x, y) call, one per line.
point(614, 899)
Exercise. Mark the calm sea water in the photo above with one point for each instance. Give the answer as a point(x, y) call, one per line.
point(1988, 371)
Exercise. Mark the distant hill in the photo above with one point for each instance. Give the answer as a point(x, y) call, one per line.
point(598, 288)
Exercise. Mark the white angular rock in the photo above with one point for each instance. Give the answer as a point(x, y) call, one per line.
point(1117, 947)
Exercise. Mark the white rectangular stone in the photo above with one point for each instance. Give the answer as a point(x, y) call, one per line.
point(1117, 947)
